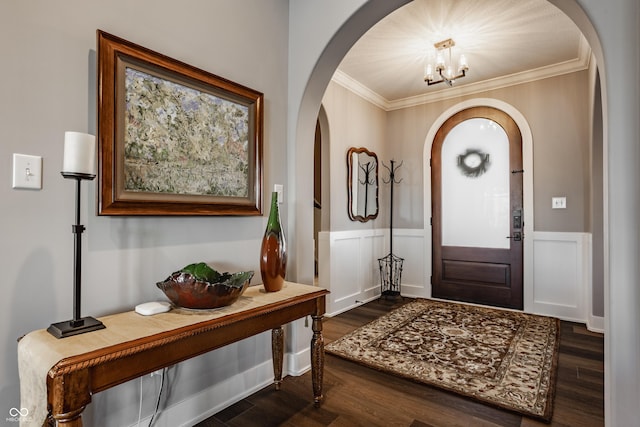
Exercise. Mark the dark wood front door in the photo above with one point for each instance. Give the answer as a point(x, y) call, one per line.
point(477, 213)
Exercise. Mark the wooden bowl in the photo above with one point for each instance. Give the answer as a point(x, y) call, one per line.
point(185, 290)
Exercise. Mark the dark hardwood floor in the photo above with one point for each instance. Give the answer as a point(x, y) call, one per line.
point(359, 396)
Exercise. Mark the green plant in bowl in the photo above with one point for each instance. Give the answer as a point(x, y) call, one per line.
point(198, 286)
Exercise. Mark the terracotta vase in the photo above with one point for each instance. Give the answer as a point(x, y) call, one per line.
point(273, 254)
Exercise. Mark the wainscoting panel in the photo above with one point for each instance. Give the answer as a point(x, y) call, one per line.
point(348, 267)
point(561, 278)
point(557, 270)
point(345, 259)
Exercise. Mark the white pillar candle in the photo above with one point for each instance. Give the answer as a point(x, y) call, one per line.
point(79, 153)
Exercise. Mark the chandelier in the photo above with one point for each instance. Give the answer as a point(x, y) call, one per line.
point(443, 70)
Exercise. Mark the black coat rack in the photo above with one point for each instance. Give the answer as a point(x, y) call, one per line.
point(367, 169)
point(391, 265)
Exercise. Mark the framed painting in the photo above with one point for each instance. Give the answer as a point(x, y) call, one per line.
point(174, 139)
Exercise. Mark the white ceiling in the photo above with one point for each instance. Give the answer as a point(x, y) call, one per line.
point(505, 41)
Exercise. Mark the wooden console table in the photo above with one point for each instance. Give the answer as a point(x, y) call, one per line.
point(58, 376)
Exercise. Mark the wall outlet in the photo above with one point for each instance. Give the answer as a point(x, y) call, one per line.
point(558, 202)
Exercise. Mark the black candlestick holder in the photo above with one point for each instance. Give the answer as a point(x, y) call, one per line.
point(77, 325)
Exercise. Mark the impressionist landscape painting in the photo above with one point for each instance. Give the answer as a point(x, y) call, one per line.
point(180, 140)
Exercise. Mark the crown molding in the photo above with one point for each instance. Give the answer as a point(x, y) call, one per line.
point(359, 89)
point(579, 64)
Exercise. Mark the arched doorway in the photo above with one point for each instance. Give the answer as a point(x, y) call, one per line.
point(527, 184)
point(476, 209)
point(320, 52)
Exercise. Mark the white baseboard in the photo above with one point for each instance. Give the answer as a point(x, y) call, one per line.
point(344, 309)
point(595, 324)
point(413, 291)
point(224, 394)
point(296, 364)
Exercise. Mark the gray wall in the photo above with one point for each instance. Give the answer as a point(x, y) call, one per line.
point(597, 199)
point(565, 162)
point(556, 109)
point(47, 87)
point(557, 112)
point(353, 122)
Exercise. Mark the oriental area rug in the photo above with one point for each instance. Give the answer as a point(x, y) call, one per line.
point(504, 358)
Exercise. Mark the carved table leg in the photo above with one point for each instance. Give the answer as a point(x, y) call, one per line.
point(317, 359)
point(277, 350)
point(70, 419)
point(69, 394)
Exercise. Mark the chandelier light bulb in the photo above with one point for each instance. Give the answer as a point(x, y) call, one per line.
point(450, 73)
point(428, 71)
point(463, 64)
point(439, 60)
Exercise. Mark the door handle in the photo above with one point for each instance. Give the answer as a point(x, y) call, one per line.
point(517, 236)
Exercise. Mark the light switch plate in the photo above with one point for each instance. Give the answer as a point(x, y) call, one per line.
point(279, 188)
point(27, 172)
point(558, 202)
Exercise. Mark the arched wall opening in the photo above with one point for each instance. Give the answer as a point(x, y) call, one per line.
point(619, 111)
point(322, 204)
point(363, 18)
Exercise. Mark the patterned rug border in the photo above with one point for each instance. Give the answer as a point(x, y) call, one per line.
point(546, 415)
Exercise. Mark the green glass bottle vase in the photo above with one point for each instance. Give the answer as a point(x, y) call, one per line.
point(273, 253)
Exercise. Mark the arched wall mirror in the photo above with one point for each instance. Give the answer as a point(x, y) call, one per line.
point(362, 184)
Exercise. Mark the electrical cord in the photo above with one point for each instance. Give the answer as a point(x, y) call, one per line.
point(140, 408)
point(164, 371)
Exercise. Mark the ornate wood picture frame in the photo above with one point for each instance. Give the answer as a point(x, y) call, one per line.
point(174, 139)
point(362, 184)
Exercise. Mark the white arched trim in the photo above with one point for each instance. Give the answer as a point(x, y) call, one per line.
point(527, 187)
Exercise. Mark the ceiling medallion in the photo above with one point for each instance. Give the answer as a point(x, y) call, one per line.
point(444, 70)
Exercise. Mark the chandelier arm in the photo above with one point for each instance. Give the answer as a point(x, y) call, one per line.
point(445, 79)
